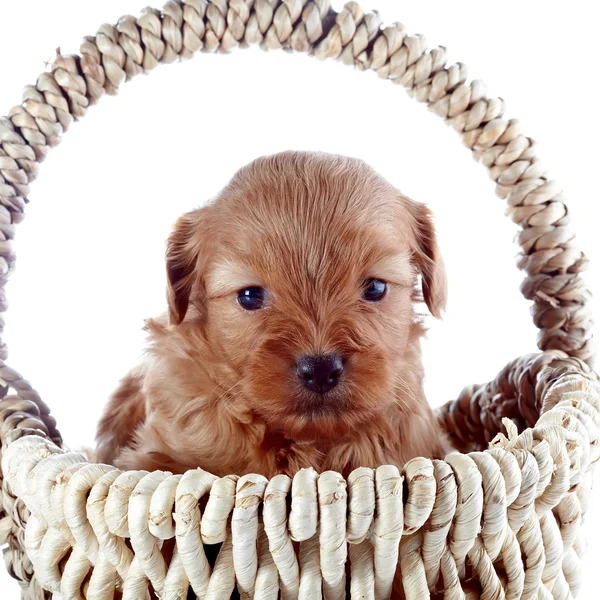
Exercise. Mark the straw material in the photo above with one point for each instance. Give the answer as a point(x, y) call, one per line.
point(496, 523)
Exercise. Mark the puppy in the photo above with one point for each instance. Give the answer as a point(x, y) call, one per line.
point(292, 336)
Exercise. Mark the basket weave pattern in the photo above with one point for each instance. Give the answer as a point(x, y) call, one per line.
point(498, 523)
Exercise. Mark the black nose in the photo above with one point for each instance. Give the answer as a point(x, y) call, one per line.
point(320, 373)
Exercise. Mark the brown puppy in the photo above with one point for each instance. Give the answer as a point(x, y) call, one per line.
point(292, 337)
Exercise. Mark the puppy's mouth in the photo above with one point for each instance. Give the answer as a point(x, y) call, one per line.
point(314, 416)
point(312, 405)
point(317, 395)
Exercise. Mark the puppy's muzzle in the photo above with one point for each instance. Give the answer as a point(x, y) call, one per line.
point(320, 373)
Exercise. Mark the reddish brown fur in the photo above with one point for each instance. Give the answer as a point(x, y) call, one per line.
point(218, 388)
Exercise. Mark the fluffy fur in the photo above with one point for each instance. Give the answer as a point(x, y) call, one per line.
point(217, 387)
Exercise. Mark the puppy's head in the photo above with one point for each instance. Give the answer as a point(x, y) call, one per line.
point(301, 276)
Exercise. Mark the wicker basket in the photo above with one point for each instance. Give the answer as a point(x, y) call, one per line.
point(501, 522)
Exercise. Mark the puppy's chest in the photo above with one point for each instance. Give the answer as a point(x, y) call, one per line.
point(281, 455)
point(278, 454)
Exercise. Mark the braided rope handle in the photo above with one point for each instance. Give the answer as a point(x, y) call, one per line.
point(549, 255)
point(521, 502)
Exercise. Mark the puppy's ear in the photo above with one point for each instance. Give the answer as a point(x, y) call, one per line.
point(183, 257)
point(429, 260)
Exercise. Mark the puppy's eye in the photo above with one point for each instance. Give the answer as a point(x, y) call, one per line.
point(374, 290)
point(252, 298)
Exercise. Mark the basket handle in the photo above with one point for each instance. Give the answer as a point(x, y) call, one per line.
point(549, 255)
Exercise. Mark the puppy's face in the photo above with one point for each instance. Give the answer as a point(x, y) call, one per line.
point(302, 276)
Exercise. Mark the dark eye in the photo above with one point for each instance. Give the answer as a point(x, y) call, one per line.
point(374, 290)
point(252, 298)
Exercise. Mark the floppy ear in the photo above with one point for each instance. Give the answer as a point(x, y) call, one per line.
point(429, 260)
point(183, 258)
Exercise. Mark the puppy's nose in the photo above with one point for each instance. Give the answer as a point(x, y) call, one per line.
point(320, 373)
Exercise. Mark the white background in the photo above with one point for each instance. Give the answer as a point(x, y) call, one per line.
point(90, 265)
